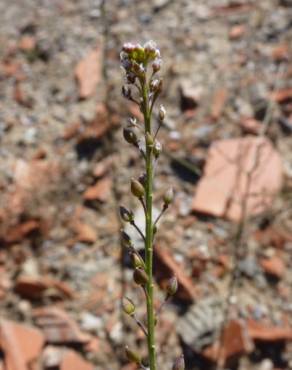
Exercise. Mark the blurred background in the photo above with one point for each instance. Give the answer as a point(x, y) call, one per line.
point(65, 169)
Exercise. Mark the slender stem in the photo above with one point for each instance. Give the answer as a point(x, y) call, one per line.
point(140, 324)
point(138, 230)
point(160, 215)
point(149, 235)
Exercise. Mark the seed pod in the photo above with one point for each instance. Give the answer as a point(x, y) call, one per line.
point(133, 356)
point(137, 188)
point(168, 197)
point(137, 261)
point(179, 363)
point(130, 135)
point(161, 113)
point(171, 286)
point(149, 139)
point(126, 215)
point(128, 306)
point(140, 277)
point(157, 149)
point(125, 239)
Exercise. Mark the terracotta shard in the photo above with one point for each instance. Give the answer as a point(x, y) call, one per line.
point(235, 342)
point(273, 266)
point(267, 332)
point(244, 173)
point(21, 345)
point(85, 233)
point(73, 361)
point(219, 101)
point(88, 73)
point(37, 287)
point(58, 327)
point(100, 191)
point(167, 267)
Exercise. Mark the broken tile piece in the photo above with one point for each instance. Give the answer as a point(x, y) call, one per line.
point(244, 171)
point(273, 266)
point(20, 344)
point(167, 267)
point(58, 326)
point(88, 73)
point(73, 361)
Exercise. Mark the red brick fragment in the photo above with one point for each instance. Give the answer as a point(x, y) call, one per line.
point(273, 266)
point(245, 170)
point(88, 73)
point(218, 104)
point(268, 333)
point(58, 327)
point(37, 287)
point(236, 32)
point(20, 344)
point(100, 191)
point(167, 267)
point(73, 361)
point(234, 342)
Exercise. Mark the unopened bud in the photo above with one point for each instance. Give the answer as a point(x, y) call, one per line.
point(168, 197)
point(127, 92)
point(133, 356)
point(130, 135)
point(128, 306)
point(125, 239)
point(156, 65)
point(126, 215)
point(128, 47)
point(138, 69)
point(179, 363)
point(156, 85)
point(157, 149)
point(142, 178)
point(140, 277)
point(137, 261)
point(137, 188)
point(161, 112)
point(130, 77)
point(171, 286)
point(149, 139)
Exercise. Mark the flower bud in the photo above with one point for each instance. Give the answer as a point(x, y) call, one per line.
point(149, 139)
point(126, 215)
point(128, 47)
point(133, 356)
point(171, 287)
point(130, 77)
point(157, 149)
point(137, 188)
point(156, 85)
point(142, 178)
point(128, 306)
point(140, 277)
point(138, 69)
point(137, 261)
point(156, 65)
point(130, 135)
point(161, 112)
point(168, 197)
point(127, 92)
point(125, 239)
point(179, 363)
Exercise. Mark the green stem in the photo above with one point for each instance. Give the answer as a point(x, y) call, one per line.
point(149, 236)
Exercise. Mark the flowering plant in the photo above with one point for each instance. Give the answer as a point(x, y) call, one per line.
point(143, 87)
